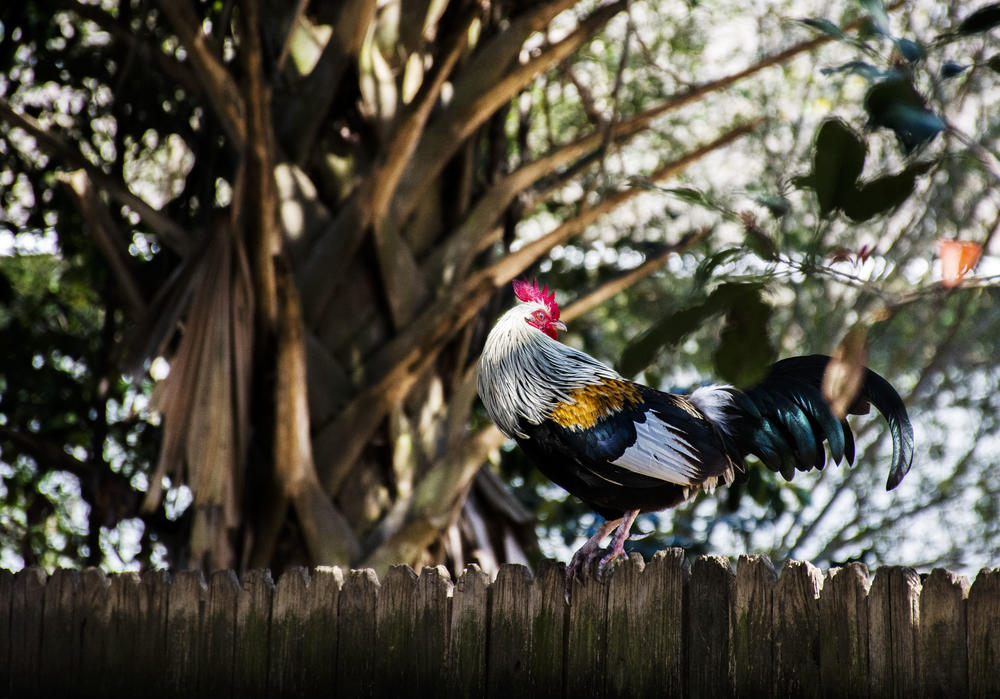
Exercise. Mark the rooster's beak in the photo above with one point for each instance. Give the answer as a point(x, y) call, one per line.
point(559, 325)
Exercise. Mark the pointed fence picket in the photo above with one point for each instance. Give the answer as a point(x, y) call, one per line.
point(662, 627)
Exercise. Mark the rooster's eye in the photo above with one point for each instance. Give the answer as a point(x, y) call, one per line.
point(539, 316)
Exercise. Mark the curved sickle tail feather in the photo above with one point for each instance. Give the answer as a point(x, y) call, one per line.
point(884, 397)
point(784, 420)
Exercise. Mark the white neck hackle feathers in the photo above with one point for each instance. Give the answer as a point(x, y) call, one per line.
point(523, 373)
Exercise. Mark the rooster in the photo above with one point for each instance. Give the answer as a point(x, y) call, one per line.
point(624, 448)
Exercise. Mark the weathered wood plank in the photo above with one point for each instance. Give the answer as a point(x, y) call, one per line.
point(60, 655)
point(893, 613)
point(356, 627)
point(185, 608)
point(466, 671)
point(6, 600)
point(667, 575)
point(944, 665)
point(121, 642)
point(27, 603)
point(151, 643)
point(843, 640)
point(796, 630)
point(395, 662)
point(984, 634)
point(433, 611)
point(548, 611)
point(509, 643)
point(645, 626)
point(289, 613)
point(753, 626)
point(251, 663)
point(710, 671)
point(630, 664)
point(218, 635)
point(94, 622)
point(319, 652)
point(586, 638)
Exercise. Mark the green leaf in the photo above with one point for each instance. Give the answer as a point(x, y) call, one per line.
point(837, 164)
point(730, 294)
point(823, 25)
point(775, 203)
point(982, 20)
point(760, 243)
point(744, 352)
point(865, 70)
point(883, 194)
point(896, 105)
point(880, 18)
point(673, 328)
point(690, 194)
point(950, 69)
point(910, 50)
point(703, 273)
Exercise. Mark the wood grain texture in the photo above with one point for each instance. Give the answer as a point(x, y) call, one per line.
point(218, 637)
point(710, 664)
point(753, 637)
point(984, 634)
point(944, 664)
point(356, 634)
point(26, 606)
point(548, 623)
point(395, 659)
point(6, 642)
point(893, 613)
point(796, 630)
point(93, 615)
point(586, 638)
point(60, 651)
point(660, 627)
point(646, 625)
point(466, 672)
point(843, 632)
point(509, 644)
point(253, 631)
point(320, 631)
point(185, 607)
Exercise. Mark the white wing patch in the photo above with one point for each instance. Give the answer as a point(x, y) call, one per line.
point(660, 452)
point(714, 402)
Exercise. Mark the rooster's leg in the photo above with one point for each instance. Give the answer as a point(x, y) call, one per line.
point(588, 552)
point(617, 547)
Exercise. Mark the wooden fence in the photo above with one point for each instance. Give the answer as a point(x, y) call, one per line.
point(663, 628)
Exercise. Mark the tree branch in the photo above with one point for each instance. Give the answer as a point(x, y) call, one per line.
point(506, 269)
point(327, 534)
point(220, 88)
point(168, 231)
point(257, 207)
point(625, 280)
point(146, 52)
point(403, 280)
point(302, 116)
point(476, 99)
point(108, 238)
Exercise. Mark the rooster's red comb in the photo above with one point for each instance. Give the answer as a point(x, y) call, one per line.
point(530, 292)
